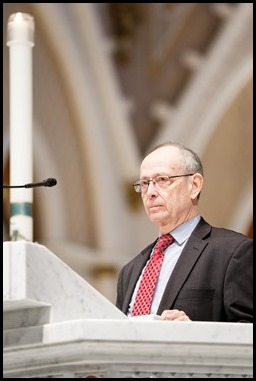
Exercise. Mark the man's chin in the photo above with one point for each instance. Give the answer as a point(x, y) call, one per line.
point(155, 217)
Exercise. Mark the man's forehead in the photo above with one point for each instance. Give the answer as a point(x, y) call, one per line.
point(164, 155)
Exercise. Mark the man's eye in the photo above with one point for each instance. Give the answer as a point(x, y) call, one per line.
point(162, 179)
point(144, 183)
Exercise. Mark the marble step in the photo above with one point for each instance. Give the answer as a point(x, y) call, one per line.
point(25, 313)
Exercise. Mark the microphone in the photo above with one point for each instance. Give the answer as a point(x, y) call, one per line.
point(50, 182)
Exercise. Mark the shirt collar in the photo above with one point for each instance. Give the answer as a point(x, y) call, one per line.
point(183, 232)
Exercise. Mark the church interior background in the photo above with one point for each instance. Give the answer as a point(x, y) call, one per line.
point(111, 80)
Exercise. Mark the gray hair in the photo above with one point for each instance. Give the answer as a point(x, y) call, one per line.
point(190, 159)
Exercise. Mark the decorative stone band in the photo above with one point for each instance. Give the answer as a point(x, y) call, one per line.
point(21, 208)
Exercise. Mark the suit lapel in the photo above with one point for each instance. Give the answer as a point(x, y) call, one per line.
point(190, 254)
point(135, 271)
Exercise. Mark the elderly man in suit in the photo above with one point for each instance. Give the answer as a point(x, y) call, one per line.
point(205, 273)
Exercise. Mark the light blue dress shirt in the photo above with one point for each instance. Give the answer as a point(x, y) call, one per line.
point(171, 256)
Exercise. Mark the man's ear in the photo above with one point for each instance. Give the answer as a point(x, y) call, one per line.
point(197, 185)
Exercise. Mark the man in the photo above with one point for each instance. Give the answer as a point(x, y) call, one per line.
point(206, 273)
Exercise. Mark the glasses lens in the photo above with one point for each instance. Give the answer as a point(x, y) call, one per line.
point(137, 187)
point(162, 181)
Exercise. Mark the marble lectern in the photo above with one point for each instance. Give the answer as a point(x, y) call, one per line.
point(56, 325)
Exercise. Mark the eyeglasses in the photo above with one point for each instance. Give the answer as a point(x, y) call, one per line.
point(158, 181)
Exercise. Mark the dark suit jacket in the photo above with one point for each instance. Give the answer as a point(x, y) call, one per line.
point(212, 280)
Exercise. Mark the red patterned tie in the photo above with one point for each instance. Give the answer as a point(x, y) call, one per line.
point(149, 278)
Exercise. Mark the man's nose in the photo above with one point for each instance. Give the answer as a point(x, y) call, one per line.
point(151, 187)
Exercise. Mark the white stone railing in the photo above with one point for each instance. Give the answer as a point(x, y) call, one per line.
point(58, 326)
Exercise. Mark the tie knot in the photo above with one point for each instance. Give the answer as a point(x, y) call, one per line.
point(163, 242)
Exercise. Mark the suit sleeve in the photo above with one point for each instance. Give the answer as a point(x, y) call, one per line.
point(120, 298)
point(238, 284)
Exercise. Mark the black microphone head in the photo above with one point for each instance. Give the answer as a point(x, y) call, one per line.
point(50, 182)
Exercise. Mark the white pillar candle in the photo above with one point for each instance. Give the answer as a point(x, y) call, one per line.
point(20, 40)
